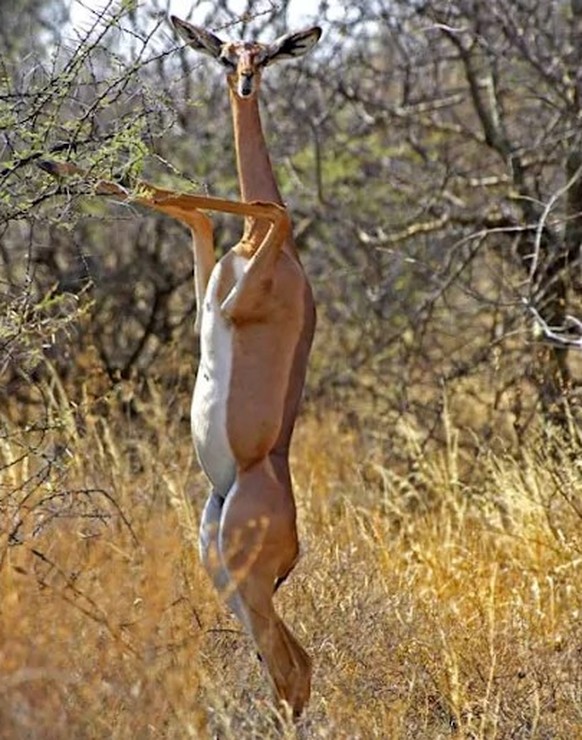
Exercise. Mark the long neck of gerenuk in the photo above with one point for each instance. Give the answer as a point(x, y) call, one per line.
point(255, 171)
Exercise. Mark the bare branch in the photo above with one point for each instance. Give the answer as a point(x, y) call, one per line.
point(567, 335)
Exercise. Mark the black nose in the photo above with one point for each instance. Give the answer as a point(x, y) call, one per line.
point(246, 85)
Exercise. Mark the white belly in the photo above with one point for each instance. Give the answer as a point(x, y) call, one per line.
point(210, 399)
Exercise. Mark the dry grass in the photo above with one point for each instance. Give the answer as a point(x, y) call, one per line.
point(432, 608)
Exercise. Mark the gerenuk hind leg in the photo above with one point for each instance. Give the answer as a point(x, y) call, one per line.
point(208, 541)
point(258, 545)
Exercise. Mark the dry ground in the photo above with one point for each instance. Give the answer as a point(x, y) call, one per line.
point(432, 607)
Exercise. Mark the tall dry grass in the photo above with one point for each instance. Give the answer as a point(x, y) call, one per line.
point(432, 607)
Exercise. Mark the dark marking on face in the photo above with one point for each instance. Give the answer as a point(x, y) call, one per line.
point(245, 85)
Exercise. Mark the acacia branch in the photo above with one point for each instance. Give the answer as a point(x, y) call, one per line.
point(568, 335)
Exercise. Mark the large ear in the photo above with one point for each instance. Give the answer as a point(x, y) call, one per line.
point(293, 44)
point(198, 38)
